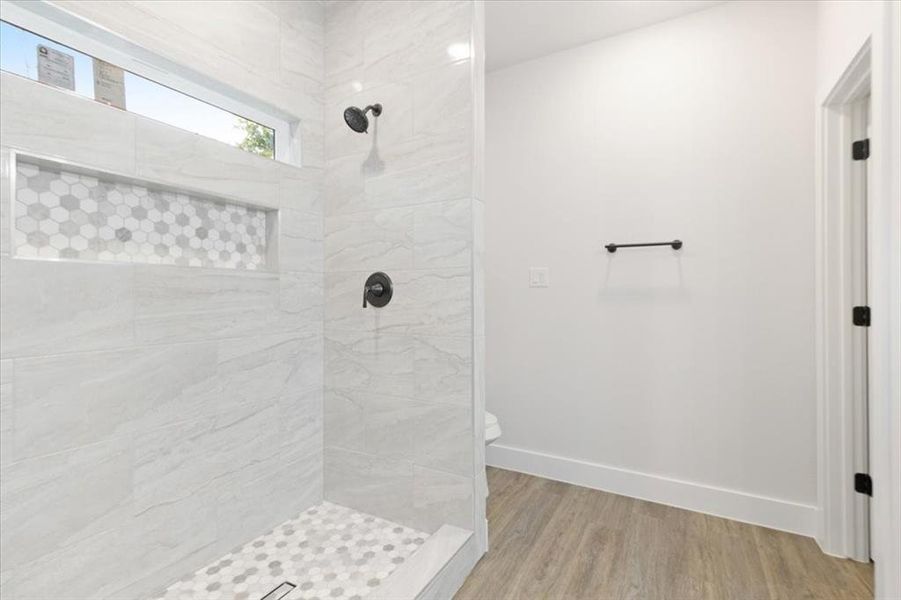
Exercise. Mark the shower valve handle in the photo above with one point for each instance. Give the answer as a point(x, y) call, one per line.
point(377, 290)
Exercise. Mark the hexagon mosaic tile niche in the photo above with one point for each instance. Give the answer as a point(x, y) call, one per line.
point(62, 214)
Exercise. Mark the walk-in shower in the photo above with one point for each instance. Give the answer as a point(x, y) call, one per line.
point(194, 402)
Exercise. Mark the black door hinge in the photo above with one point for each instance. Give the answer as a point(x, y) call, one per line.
point(863, 484)
point(860, 315)
point(860, 150)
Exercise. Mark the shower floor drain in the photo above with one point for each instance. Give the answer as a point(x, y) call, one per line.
point(329, 552)
point(279, 592)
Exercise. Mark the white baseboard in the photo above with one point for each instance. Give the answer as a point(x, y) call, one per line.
point(730, 504)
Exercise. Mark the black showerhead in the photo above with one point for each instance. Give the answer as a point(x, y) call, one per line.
point(356, 118)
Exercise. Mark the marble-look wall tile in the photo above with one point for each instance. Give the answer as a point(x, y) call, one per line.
point(178, 157)
point(7, 582)
point(301, 300)
point(347, 176)
point(343, 42)
point(53, 501)
point(424, 149)
point(370, 241)
point(302, 422)
point(261, 499)
point(360, 360)
point(343, 185)
point(5, 201)
point(442, 368)
point(300, 189)
point(430, 28)
point(180, 461)
point(445, 180)
point(212, 454)
point(87, 568)
point(266, 368)
point(345, 419)
point(154, 548)
point(254, 50)
point(370, 484)
point(7, 431)
point(154, 386)
point(424, 303)
point(302, 37)
point(377, 423)
point(49, 307)
point(441, 498)
point(390, 425)
point(441, 235)
point(430, 236)
point(151, 547)
point(312, 152)
point(71, 400)
point(442, 300)
point(55, 123)
point(383, 40)
point(397, 428)
point(180, 304)
point(300, 95)
point(442, 99)
point(442, 438)
point(300, 241)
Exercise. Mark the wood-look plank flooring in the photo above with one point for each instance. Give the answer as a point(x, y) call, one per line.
point(555, 541)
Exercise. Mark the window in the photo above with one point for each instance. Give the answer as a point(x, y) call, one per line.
point(19, 50)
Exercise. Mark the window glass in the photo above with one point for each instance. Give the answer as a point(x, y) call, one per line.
point(19, 52)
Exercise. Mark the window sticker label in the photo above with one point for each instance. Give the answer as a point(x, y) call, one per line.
point(109, 84)
point(56, 68)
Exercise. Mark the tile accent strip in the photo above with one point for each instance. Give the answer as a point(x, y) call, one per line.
point(63, 214)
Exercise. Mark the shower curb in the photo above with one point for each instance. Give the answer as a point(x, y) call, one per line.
point(435, 571)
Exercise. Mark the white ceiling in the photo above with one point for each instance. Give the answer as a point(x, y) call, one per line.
point(519, 30)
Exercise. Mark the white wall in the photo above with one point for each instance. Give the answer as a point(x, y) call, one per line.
point(695, 366)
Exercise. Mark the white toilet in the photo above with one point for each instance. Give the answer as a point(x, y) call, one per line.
point(492, 428)
point(492, 433)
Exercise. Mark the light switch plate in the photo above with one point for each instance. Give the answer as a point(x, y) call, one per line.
point(538, 277)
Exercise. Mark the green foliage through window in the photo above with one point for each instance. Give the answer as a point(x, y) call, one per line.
point(257, 138)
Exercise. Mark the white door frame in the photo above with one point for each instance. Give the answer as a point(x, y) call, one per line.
point(844, 525)
point(882, 52)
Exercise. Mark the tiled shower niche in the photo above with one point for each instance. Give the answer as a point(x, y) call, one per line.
point(64, 212)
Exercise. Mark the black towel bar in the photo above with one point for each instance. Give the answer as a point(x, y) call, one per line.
point(675, 244)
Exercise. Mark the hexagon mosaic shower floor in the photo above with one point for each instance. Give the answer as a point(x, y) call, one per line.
point(328, 552)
